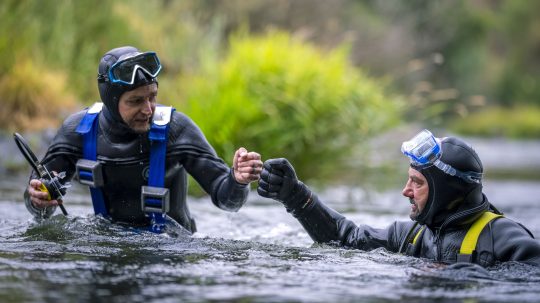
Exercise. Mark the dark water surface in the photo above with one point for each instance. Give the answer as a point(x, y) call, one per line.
point(260, 254)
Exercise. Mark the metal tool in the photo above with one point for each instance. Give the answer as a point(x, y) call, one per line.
point(49, 184)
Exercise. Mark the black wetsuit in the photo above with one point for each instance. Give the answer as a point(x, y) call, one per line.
point(501, 240)
point(125, 159)
point(452, 206)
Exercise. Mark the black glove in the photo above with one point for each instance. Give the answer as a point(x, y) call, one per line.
point(279, 182)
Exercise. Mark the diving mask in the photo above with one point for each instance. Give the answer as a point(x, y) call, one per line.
point(424, 150)
point(125, 69)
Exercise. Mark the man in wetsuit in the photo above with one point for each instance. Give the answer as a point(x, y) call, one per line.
point(452, 220)
point(128, 87)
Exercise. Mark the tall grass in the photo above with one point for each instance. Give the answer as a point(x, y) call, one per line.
point(50, 50)
point(33, 97)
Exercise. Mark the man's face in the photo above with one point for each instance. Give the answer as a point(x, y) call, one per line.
point(417, 190)
point(137, 107)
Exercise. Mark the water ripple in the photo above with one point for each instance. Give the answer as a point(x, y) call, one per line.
point(260, 254)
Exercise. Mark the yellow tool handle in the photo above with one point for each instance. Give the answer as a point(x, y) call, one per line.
point(44, 189)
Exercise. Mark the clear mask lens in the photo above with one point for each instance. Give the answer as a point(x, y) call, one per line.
point(125, 69)
point(422, 149)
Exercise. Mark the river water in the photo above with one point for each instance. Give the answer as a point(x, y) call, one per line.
point(260, 254)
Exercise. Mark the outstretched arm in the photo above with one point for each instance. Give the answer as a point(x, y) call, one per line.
point(323, 224)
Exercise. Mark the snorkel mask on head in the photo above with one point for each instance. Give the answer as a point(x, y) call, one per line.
point(425, 150)
point(125, 69)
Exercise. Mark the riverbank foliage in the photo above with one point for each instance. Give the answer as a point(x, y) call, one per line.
point(33, 97)
point(304, 94)
point(282, 97)
point(516, 122)
point(272, 93)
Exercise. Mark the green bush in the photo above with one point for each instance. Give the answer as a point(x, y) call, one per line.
point(64, 37)
point(517, 122)
point(284, 98)
point(33, 97)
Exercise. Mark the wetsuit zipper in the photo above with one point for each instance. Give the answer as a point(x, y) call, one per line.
point(446, 223)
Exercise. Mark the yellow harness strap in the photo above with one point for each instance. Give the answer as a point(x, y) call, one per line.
point(471, 238)
point(469, 242)
point(418, 234)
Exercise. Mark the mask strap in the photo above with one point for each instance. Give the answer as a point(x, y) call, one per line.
point(469, 177)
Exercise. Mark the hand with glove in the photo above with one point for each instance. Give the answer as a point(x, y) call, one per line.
point(279, 182)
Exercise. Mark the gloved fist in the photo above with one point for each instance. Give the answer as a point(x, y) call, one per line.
point(279, 182)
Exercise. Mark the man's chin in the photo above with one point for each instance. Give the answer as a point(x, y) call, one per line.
point(140, 128)
point(414, 215)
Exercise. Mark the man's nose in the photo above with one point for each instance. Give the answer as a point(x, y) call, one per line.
point(147, 107)
point(407, 191)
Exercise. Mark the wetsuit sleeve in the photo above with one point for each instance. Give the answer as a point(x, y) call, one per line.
point(60, 157)
point(201, 162)
point(512, 242)
point(325, 225)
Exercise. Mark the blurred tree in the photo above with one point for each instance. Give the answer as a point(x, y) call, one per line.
point(63, 35)
point(447, 57)
point(66, 39)
point(519, 47)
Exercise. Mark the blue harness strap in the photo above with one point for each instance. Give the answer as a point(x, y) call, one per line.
point(155, 198)
point(156, 177)
point(88, 128)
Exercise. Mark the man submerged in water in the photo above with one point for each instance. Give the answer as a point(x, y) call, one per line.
point(452, 220)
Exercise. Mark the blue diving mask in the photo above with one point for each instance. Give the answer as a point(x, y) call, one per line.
point(125, 69)
point(425, 150)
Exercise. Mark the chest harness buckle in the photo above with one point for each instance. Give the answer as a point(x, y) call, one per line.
point(155, 200)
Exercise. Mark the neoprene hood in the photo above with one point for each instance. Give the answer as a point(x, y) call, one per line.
point(109, 92)
point(446, 192)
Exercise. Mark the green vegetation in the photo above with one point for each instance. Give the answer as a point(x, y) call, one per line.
point(31, 97)
point(518, 122)
point(284, 98)
point(49, 58)
point(470, 51)
point(275, 94)
point(58, 44)
point(308, 80)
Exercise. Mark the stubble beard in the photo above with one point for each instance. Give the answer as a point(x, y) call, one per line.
point(414, 213)
point(139, 128)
